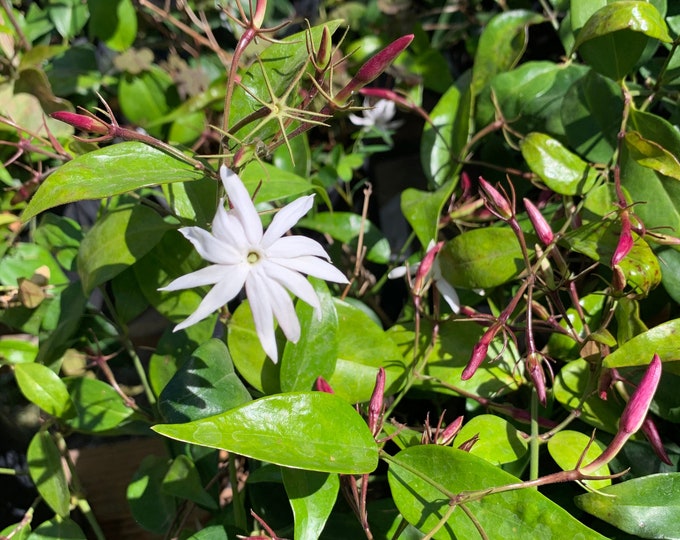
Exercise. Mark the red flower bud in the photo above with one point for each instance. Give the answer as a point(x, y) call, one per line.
point(375, 406)
point(425, 268)
point(479, 353)
point(625, 240)
point(258, 16)
point(533, 364)
point(541, 226)
point(82, 122)
point(652, 435)
point(449, 433)
point(321, 385)
point(495, 201)
point(636, 409)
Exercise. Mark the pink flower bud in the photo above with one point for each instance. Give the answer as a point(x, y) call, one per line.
point(543, 230)
point(375, 406)
point(533, 364)
point(258, 16)
point(625, 240)
point(321, 385)
point(652, 435)
point(82, 122)
point(636, 409)
point(425, 268)
point(495, 201)
point(449, 433)
point(374, 67)
point(479, 353)
point(323, 55)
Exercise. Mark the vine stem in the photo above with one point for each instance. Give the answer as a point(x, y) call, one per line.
point(534, 444)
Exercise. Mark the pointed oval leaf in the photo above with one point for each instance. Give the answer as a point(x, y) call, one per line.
point(47, 472)
point(572, 448)
point(312, 497)
point(57, 529)
point(106, 172)
point(99, 407)
point(652, 155)
point(305, 430)
point(183, 481)
point(498, 442)
point(523, 513)
point(40, 385)
point(560, 169)
point(151, 507)
point(481, 258)
point(203, 386)
point(663, 340)
point(116, 242)
point(648, 507)
point(422, 209)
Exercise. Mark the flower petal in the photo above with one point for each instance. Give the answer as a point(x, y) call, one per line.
point(293, 281)
point(243, 206)
point(312, 266)
point(263, 316)
point(205, 276)
point(210, 248)
point(227, 227)
point(218, 296)
point(296, 246)
point(286, 218)
point(449, 294)
point(282, 306)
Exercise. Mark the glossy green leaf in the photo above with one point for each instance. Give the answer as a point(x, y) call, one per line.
point(450, 353)
point(648, 507)
point(670, 272)
point(570, 449)
point(652, 155)
point(502, 45)
point(23, 259)
point(17, 531)
point(17, 351)
point(498, 442)
point(68, 16)
point(47, 472)
point(312, 496)
point(114, 22)
point(40, 385)
point(444, 138)
point(663, 340)
point(151, 507)
point(560, 169)
point(116, 242)
point(422, 209)
point(346, 227)
point(272, 183)
point(212, 532)
point(481, 258)
point(564, 347)
point(522, 513)
point(183, 481)
point(316, 352)
point(112, 170)
point(591, 115)
point(61, 237)
point(194, 201)
point(57, 528)
point(203, 386)
point(573, 382)
point(147, 97)
point(98, 406)
point(306, 430)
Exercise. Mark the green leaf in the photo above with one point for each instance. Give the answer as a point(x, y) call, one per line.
point(663, 340)
point(561, 170)
point(203, 386)
point(570, 449)
point(194, 201)
point(316, 352)
point(212, 532)
point(444, 138)
point(312, 496)
point(113, 170)
point(17, 531)
point(147, 97)
point(481, 258)
point(47, 473)
point(151, 507)
point(98, 406)
point(271, 183)
point(422, 210)
point(499, 442)
point(647, 507)
point(670, 272)
point(17, 351)
point(306, 430)
point(502, 45)
point(652, 155)
point(114, 22)
point(68, 16)
point(40, 385)
point(61, 237)
point(117, 241)
point(183, 481)
point(522, 513)
point(57, 529)
point(346, 227)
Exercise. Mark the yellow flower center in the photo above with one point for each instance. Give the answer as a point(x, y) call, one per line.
point(253, 257)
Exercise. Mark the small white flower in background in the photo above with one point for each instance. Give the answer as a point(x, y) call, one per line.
point(435, 273)
point(267, 263)
point(377, 116)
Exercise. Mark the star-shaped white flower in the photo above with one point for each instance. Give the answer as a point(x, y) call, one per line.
point(435, 273)
point(267, 263)
point(378, 116)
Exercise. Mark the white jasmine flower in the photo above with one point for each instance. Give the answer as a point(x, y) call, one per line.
point(378, 116)
point(435, 273)
point(267, 263)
